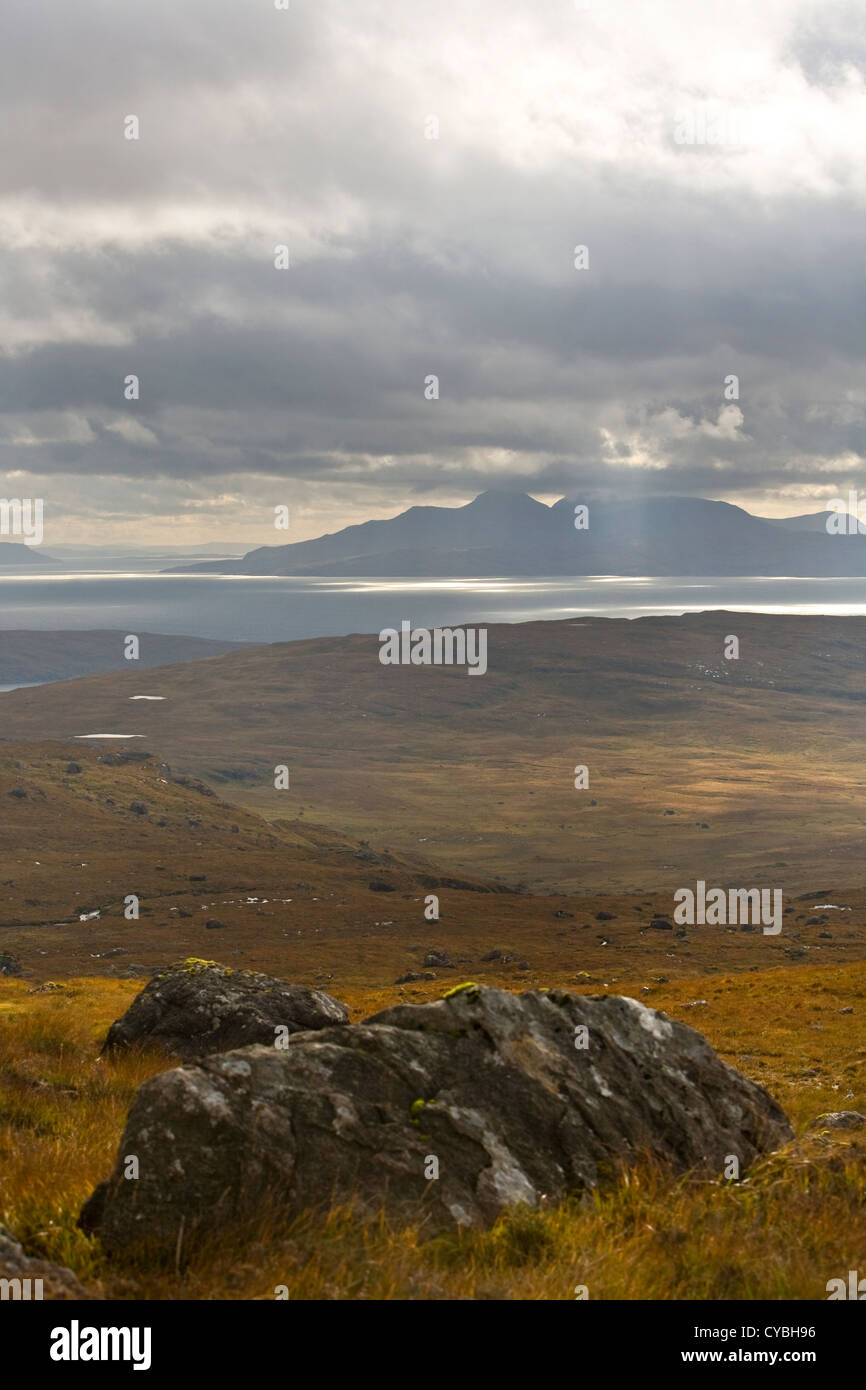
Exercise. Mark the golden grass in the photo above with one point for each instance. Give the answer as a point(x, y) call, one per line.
point(797, 1220)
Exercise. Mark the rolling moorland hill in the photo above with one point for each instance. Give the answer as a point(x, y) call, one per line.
point(27, 656)
point(508, 533)
point(217, 882)
point(84, 826)
point(741, 772)
point(81, 830)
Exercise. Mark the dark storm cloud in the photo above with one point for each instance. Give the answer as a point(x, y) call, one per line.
point(414, 257)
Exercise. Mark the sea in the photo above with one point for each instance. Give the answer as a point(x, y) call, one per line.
point(268, 609)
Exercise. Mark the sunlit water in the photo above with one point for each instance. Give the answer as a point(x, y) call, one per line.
point(280, 609)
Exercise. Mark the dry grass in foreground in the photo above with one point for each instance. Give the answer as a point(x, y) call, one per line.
point(797, 1220)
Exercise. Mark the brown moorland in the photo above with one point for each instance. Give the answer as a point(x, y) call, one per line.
point(187, 820)
point(750, 769)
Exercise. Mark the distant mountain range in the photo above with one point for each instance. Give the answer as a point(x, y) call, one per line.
point(508, 534)
point(16, 553)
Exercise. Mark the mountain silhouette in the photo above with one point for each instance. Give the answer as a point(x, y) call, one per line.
point(509, 534)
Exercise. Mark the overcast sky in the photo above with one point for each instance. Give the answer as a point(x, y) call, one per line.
point(709, 155)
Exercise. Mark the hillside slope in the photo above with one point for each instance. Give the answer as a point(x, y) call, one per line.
point(749, 769)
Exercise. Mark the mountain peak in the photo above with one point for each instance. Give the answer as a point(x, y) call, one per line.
point(507, 500)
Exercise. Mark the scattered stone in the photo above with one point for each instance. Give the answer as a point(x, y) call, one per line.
point(54, 1281)
point(839, 1119)
point(214, 924)
point(378, 885)
point(9, 964)
point(847, 1010)
point(660, 924)
point(605, 917)
point(412, 976)
point(18, 792)
point(439, 958)
point(138, 807)
point(197, 1007)
point(73, 767)
point(492, 955)
point(488, 1081)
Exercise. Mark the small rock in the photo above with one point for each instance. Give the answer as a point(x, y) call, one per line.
point(839, 1119)
point(198, 1007)
point(438, 958)
point(55, 1281)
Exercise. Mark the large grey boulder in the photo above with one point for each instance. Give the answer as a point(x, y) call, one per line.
point(488, 1083)
point(26, 1278)
point(197, 1007)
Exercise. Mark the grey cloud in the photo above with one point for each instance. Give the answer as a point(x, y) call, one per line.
point(409, 258)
